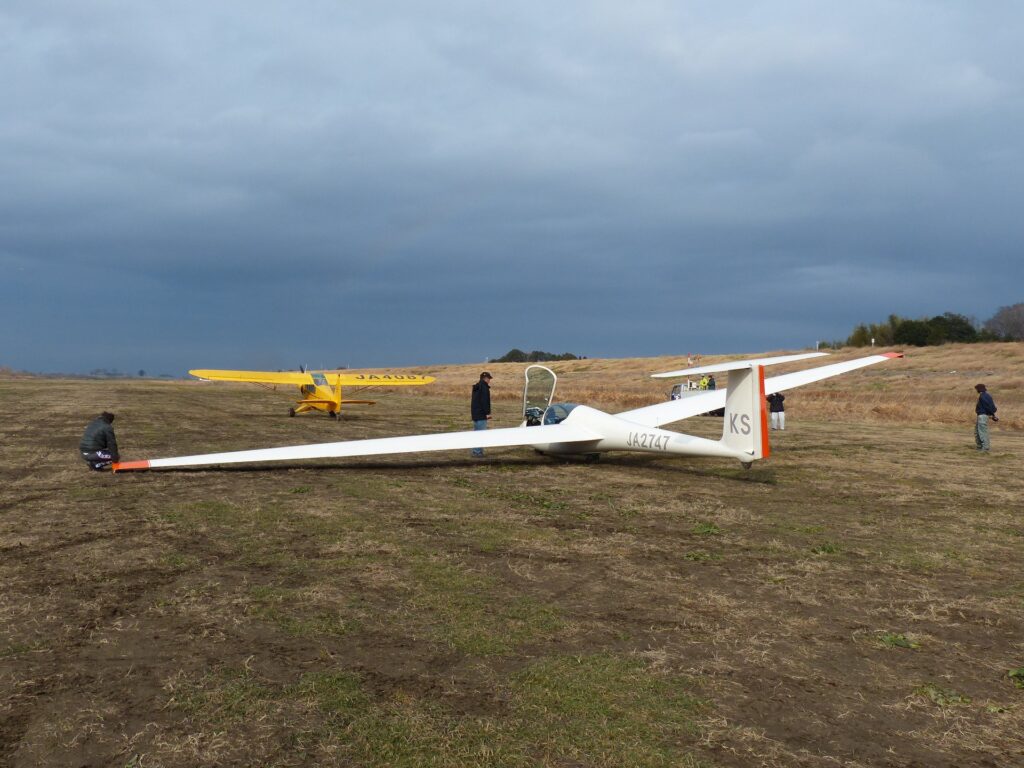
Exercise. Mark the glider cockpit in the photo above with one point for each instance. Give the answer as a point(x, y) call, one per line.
point(537, 394)
point(557, 412)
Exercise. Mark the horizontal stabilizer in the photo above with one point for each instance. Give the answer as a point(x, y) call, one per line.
point(709, 400)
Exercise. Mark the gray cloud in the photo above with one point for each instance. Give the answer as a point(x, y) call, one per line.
point(263, 184)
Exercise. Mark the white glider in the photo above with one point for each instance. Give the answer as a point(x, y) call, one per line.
point(572, 429)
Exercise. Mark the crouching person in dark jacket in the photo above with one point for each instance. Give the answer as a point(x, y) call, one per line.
point(98, 444)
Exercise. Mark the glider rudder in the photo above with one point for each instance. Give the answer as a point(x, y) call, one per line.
point(745, 427)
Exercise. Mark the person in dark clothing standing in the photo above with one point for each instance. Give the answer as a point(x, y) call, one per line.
point(777, 409)
point(98, 444)
point(985, 410)
point(480, 407)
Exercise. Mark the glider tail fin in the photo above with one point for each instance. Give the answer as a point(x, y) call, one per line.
point(746, 419)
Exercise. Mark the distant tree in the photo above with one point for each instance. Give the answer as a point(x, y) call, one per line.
point(1007, 323)
point(947, 327)
point(536, 356)
point(912, 332)
point(142, 373)
point(512, 356)
point(951, 327)
point(860, 337)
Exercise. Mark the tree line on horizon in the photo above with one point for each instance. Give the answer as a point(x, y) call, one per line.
point(536, 356)
point(1007, 324)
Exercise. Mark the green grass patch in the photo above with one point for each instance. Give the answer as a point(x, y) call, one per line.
point(896, 640)
point(16, 649)
point(705, 528)
point(228, 695)
point(701, 556)
point(942, 697)
point(469, 613)
point(809, 530)
point(179, 561)
point(1017, 676)
point(296, 616)
point(594, 710)
point(604, 710)
point(828, 548)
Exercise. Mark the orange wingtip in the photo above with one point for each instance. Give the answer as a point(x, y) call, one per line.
point(121, 466)
point(892, 354)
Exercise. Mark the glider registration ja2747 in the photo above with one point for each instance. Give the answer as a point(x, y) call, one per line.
point(561, 429)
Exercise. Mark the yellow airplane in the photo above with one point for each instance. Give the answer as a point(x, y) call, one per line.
point(321, 390)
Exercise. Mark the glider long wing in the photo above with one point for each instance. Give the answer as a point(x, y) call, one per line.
point(494, 438)
point(717, 367)
point(674, 410)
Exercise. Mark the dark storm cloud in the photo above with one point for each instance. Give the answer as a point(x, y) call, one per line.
point(264, 184)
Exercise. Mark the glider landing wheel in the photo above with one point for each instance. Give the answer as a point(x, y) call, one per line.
point(291, 412)
point(747, 464)
point(592, 458)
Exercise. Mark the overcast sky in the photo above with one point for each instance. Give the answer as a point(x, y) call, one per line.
point(266, 184)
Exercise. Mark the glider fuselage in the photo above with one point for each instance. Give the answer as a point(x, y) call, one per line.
point(618, 434)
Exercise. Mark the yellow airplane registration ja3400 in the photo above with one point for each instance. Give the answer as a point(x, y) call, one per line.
point(320, 390)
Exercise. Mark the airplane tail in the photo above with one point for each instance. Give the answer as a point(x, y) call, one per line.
point(746, 419)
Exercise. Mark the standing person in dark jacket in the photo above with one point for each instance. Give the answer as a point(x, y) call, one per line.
point(985, 409)
point(98, 444)
point(778, 410)
point(480, 407)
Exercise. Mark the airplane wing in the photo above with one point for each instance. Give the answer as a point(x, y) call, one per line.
point(256, 377)
point(298, 378)
point(452, 441)
point(377, 379)
point(675, 410)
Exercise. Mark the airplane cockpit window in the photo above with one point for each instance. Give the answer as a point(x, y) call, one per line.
point(320, 380)
point(557, 412)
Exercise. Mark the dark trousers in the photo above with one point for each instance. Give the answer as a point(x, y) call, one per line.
point(99, 460)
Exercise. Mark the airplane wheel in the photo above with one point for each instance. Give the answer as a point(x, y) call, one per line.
point(332, 414)
point(592, 458)
point(291, 412)
point(747, 464)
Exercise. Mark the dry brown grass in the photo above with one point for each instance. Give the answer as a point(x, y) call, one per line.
point(854, 601)
point(931, 385)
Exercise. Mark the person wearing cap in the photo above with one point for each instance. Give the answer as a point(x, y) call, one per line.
point(98, 444)
point(985, 410)
point(480, 407)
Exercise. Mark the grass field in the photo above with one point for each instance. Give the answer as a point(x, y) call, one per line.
point(856, 600)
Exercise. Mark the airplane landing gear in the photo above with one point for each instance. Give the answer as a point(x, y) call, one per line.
point(332, 414)
point(747, 464)
point(592, 458)
point(291, 412)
